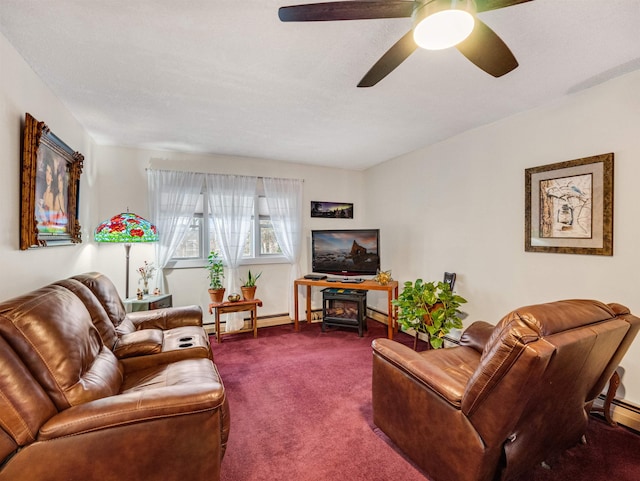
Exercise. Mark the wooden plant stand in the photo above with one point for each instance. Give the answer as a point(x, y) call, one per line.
point(239, 306)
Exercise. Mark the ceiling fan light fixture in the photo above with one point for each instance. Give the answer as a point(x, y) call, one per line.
point(441, 24)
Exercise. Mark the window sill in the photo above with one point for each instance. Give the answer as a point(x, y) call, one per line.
point(200, 263)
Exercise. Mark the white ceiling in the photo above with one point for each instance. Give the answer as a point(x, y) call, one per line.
point(227, 77)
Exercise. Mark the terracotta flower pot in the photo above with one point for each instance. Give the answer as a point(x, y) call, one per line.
point(216, 295)
point(248, 293)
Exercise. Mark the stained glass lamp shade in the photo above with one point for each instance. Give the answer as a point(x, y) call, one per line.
point(126, 228)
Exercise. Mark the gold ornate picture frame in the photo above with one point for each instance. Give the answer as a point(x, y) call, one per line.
point(569, 207)
point(50, 187)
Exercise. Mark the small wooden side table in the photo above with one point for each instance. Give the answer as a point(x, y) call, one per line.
point(238, 306)
point(148, 303)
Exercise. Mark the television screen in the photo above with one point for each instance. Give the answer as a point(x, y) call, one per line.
point(347, 252)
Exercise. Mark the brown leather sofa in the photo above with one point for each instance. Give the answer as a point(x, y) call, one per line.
point(508, 397)
point(71, 410)
point(166, 334)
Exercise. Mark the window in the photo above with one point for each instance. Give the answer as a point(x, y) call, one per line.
point(261, 245)
point(266, 243)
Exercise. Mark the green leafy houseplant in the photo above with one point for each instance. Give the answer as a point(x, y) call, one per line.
point(216, 270)
point(251, 279)
point(430, 308)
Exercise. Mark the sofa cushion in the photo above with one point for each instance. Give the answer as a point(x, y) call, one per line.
point(51, 330)
point(96, 310)
point(24, 406)
point(106, 293)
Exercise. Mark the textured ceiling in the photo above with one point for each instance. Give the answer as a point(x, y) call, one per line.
point(227, 77)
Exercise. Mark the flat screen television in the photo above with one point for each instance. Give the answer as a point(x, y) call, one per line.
point(345, 252)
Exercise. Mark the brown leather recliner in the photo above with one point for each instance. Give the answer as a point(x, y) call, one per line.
point(70, 410)
point(167, 334)
point(508, 397)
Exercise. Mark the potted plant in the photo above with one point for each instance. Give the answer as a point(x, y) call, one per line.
point(248, 287)
point(216, 275)
point(429, 308)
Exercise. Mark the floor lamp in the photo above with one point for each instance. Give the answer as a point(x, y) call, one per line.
point(126, 228)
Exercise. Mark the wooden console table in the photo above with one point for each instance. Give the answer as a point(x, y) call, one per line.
point(238, 306)
point(391, 288)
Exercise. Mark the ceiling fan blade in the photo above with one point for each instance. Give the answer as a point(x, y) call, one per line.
point(486, 5)
point(390, 60)
point(485, 49)
point(362, 10)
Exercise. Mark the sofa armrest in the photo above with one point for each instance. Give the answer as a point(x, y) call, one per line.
point(477, 335)
point(167, 318)
point(432, 368)
point(139, 343)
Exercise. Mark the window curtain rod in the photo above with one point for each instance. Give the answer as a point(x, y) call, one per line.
point(228, 175)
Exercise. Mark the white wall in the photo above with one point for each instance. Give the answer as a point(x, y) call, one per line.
point(22, 91)
point(123, 185)
point(459, 206)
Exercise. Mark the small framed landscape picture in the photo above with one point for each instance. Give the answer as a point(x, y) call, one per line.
point(569, 207)
point(332, 210)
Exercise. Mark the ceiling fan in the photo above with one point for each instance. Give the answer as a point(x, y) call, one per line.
point(437, 24)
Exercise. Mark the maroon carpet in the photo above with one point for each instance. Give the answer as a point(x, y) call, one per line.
point(301, 411)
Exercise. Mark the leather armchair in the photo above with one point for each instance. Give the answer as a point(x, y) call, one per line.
point(71, 410)
point(508, 397)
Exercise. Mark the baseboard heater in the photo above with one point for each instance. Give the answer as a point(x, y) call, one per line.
point(622, 412)
point(267, 321)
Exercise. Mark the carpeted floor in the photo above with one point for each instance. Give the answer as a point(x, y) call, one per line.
point(301, 411)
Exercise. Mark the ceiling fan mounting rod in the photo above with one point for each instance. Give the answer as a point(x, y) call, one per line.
point(453, 4)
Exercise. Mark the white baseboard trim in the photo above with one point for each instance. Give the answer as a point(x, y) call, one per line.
point(266, 321)
point(377, 316)
point(622, 412)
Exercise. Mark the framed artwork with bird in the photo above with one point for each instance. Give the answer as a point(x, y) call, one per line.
point(569, 207)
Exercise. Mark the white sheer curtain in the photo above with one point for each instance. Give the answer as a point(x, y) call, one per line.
point(284, 198)
point(231, 199)
point(173, 197)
